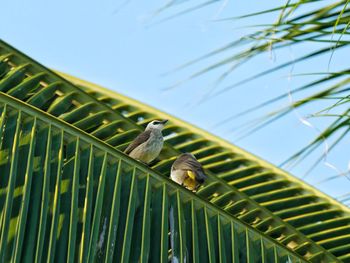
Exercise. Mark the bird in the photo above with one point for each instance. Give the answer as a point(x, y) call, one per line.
point(148, 144)
point(188, 172)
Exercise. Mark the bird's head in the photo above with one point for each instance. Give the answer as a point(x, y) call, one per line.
point(156, 125)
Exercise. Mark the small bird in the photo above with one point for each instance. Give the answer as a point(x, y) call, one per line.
point(187, 171)
point(148, 144)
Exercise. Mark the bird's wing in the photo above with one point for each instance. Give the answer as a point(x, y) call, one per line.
point(140, 139)
point(186, 162)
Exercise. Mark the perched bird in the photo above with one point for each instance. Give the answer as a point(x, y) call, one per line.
point(148, 144)
point(187, 171)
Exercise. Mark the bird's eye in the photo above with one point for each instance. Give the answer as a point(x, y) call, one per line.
point(156, 122)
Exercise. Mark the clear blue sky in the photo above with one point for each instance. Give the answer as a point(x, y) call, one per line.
point(118, 49)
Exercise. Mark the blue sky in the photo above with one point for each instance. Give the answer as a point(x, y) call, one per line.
point(125, 50)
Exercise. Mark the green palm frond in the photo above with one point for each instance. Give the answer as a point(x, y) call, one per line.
point(71, 197)
point(88, 200)
point(68, 194)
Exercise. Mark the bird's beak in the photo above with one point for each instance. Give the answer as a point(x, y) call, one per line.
point(164, 122)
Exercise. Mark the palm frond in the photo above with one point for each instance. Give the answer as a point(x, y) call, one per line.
point(323, 24)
